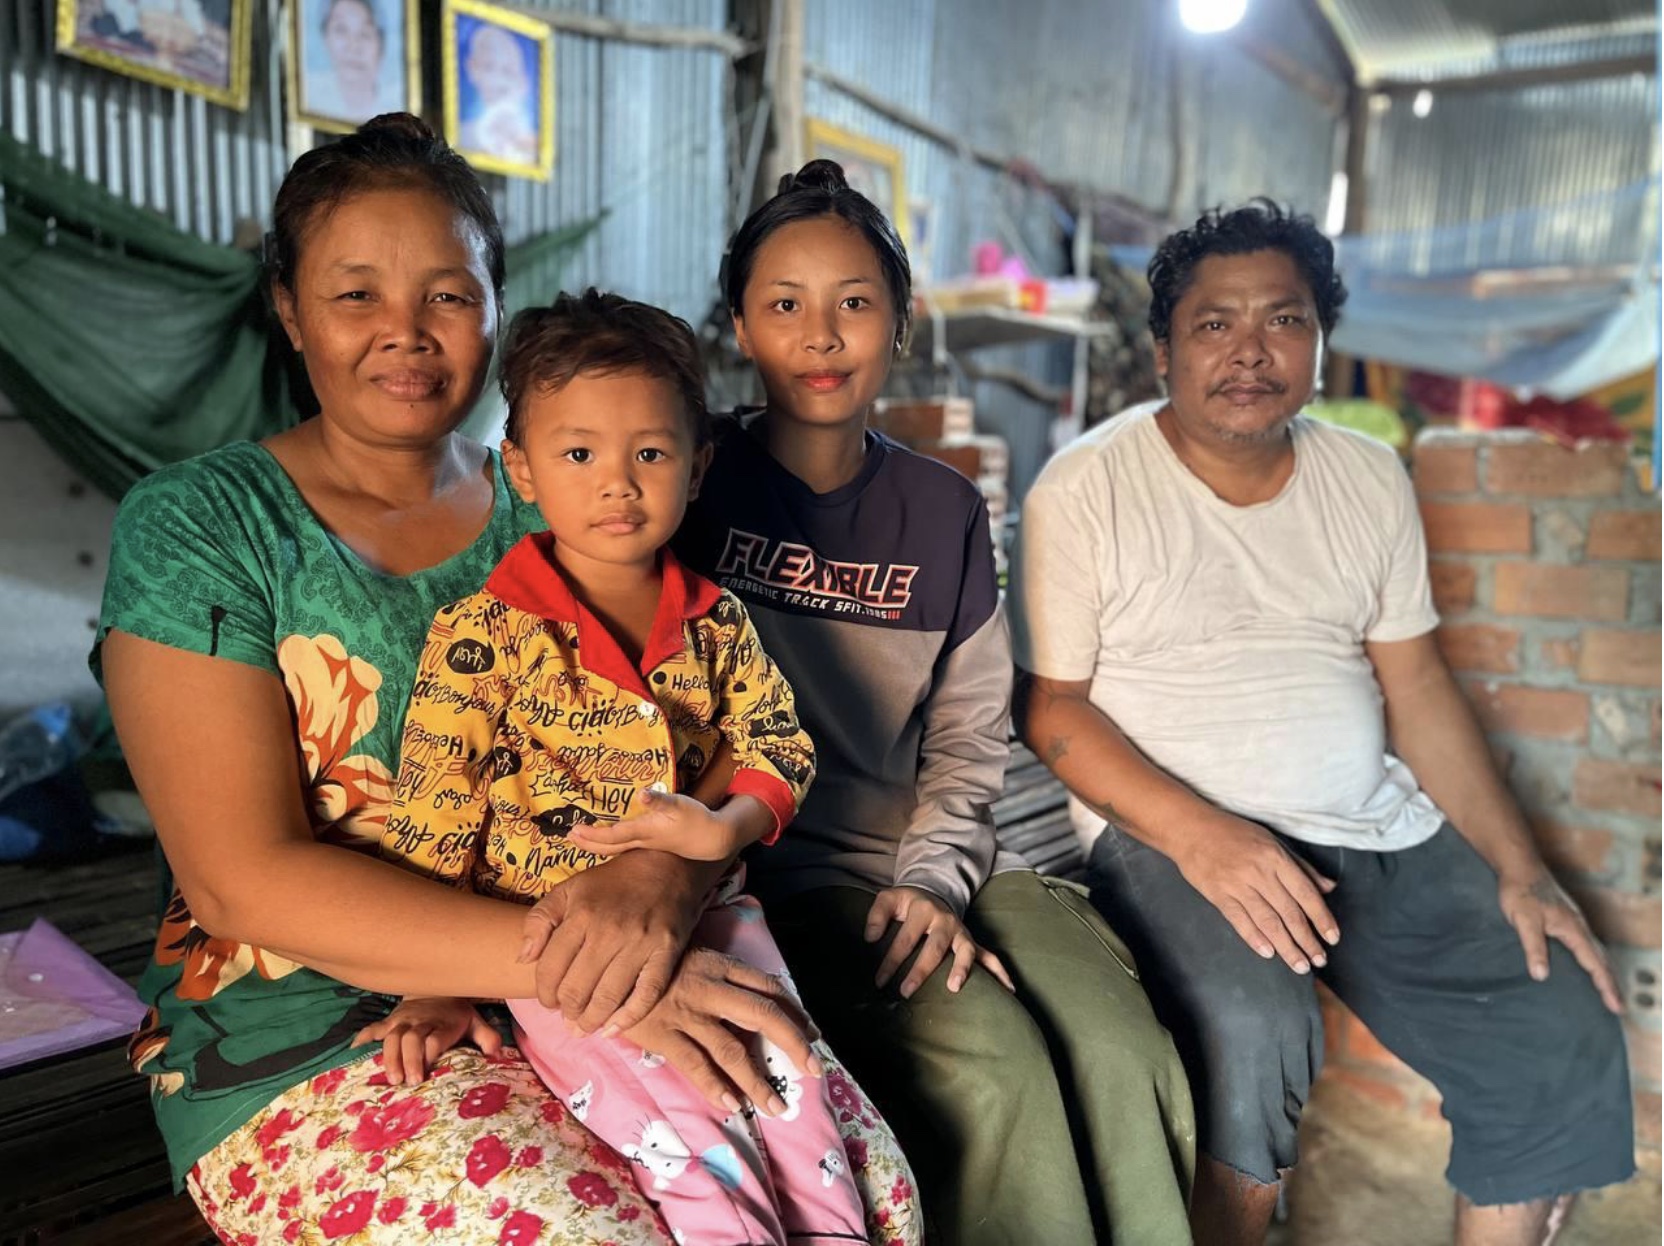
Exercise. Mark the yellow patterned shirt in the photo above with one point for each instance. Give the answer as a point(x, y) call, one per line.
point(527, 718)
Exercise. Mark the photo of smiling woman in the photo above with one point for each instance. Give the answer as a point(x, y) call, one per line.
point(353, 60)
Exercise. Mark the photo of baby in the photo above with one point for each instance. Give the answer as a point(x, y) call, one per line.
point(353, 60)
point(499, 88)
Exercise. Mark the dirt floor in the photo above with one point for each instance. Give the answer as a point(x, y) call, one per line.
point(1371, 1176)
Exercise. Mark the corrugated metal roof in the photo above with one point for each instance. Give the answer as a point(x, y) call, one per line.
point(1441, 38)
point(1484, 155)
point(1544, 52)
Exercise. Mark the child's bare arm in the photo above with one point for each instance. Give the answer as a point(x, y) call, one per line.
point(421, 1029)
point(704, 824)
point(711, 787)
point(679, 824)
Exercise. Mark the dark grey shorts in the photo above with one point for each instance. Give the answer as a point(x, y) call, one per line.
point(1533, 1074)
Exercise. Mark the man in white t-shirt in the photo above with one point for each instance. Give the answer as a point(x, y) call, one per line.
point(1222, 624)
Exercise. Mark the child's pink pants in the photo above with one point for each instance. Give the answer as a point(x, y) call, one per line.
point(719, 1181)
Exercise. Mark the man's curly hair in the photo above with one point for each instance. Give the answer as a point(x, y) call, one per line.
point(1259, 225)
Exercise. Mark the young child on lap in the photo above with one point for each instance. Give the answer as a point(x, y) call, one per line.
point(593, 681)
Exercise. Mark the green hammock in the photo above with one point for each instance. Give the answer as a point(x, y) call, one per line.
point(129, 344)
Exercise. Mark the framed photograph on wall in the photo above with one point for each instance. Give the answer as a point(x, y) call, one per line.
point(200, 46)
point(920, 237)
point(499, 88)
point(871, 167)
point(350, 60)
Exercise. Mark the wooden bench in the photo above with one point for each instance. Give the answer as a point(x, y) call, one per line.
point(80, 1159)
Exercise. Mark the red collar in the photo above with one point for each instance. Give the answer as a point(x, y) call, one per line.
point(528, 578)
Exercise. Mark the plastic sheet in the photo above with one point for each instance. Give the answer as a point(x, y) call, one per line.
point(54, 997)
point(1557, 300)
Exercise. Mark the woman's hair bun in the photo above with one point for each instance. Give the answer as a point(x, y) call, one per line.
point(824, 175)
point(401, 125)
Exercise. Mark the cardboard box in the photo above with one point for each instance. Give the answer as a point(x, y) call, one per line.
point(976, 458)
point(916, 422)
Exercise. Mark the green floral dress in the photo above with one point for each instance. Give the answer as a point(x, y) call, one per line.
point(221, 556)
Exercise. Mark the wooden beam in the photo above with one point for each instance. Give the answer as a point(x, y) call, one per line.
point(1328, 19)
point(1085, 195)
point(1518, 79)
point(1322, 14)
point(1339, 369)
point(1358, 122)
point(1326, 91)
point(903, 116)
point(648, 33)
point(786, 26)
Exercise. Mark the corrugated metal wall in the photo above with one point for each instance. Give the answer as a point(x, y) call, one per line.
point(1483, 155)
point(201, 166)
point(641, 133)
point(1080, 90)
point(1083, 91)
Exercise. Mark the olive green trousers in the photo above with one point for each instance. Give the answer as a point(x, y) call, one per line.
point(1057, 1116)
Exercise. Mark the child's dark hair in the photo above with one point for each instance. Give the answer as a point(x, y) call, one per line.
point(1259, 225)
point(392, 151)
point(819, 189)
point(602, 333)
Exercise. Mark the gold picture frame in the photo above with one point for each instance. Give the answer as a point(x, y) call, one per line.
point(174, 43)
point(330, 42)
point(871, 167)
point(499, 67)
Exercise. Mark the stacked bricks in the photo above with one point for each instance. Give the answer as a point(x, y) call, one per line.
point(1545, 570)
point(944, 429)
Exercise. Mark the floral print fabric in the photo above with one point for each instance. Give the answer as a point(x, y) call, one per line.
point(220, 556)
point(479, 1153)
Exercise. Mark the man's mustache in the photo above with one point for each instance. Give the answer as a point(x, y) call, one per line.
point(1266, 383)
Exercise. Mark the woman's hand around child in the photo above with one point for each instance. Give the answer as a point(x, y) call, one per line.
point(420, 1030)
point(607, 940)
point(674, 823)
point(694, 1028)
point(930, 926)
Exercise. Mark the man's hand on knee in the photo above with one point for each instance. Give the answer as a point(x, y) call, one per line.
point(1539, 910)
point(1272, 899)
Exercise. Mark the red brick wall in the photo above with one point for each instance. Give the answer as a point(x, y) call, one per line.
point(1545, 568)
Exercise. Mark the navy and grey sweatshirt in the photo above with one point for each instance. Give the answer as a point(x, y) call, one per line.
point(879, 603)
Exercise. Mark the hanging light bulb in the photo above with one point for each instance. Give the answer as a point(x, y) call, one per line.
point(1423, 103)
point(1209, 17)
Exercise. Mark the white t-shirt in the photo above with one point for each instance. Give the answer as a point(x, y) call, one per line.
point(1226, 642)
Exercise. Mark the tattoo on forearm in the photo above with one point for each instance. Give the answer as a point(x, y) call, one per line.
point(1108, 812)
point(1030, 699)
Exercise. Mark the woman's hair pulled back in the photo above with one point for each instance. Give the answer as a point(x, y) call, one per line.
point(817, 190)
point(393, 151)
